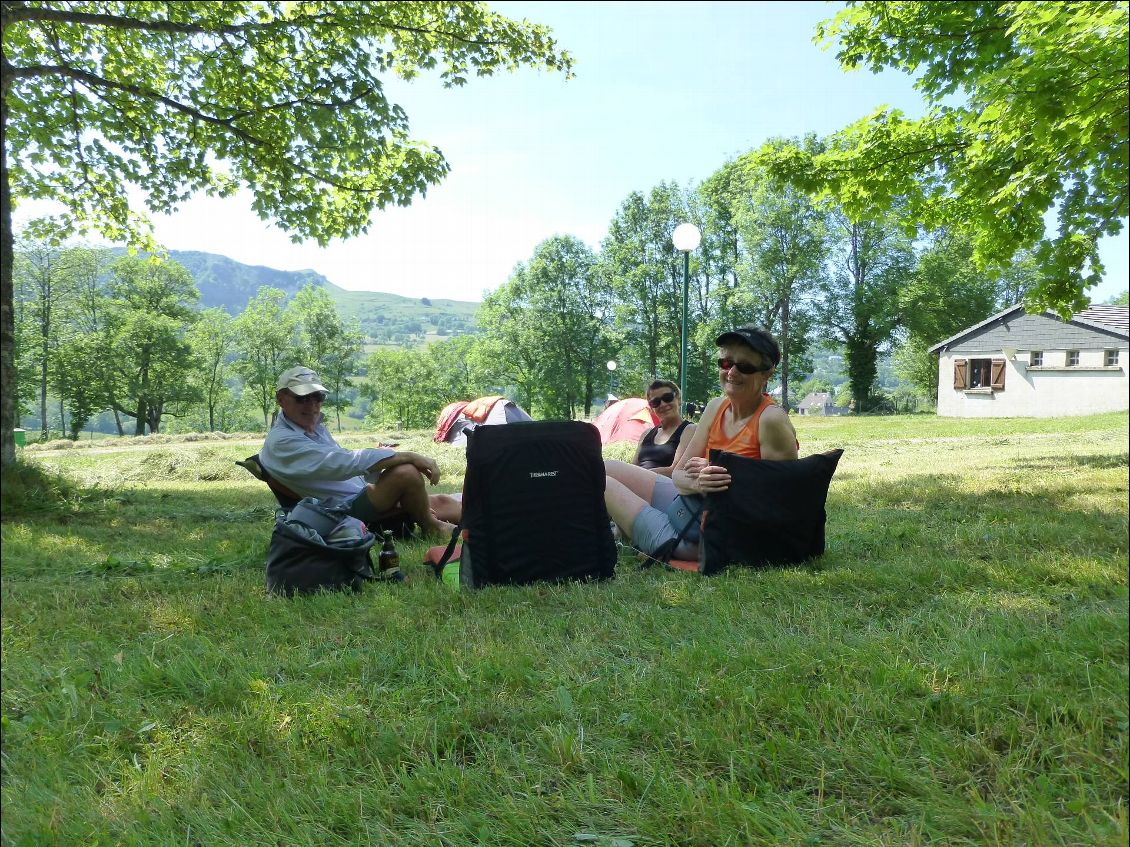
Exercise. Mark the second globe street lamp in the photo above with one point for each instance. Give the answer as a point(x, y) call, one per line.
point(686, 237)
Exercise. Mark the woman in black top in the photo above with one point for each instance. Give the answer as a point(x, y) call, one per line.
point(656, 450)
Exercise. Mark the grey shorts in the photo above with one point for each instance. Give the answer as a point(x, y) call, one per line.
point(662, 521)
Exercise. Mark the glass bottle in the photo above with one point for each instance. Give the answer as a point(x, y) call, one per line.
point(388, 560)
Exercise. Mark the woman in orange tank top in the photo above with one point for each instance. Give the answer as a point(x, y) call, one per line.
point(747, 441)
point(655, 512)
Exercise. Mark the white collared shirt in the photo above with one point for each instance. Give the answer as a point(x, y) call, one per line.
point(314, 465)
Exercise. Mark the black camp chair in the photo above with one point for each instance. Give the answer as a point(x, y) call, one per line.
point(287, 498)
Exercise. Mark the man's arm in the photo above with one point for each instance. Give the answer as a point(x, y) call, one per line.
point(293, 456)
point(426, 466)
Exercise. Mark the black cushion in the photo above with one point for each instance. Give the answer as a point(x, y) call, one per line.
point(772, 514)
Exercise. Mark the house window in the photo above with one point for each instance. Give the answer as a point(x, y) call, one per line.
point(970, 374)
point(1072, 358)
point(1110, 358)
point(1036, 359)
point(980, 373)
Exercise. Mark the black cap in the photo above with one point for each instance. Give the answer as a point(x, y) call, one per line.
point(755, 337)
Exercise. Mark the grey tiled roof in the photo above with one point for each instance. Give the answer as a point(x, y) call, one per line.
point(1108, 317)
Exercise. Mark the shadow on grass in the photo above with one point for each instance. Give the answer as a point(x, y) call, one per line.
point(132, 531)
point(903, 524)
point(161, 529)
point(1098, 461)
point(28, 489)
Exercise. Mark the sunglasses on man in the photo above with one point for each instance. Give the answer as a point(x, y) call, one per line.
point(656, 402)
point(314, 397)
point(743, 367)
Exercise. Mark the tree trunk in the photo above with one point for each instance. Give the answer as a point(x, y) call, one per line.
point(143, 394)
point(155, 413)
point(44, 332)
point(861, 368)
point(142, 408)
point(7, 317)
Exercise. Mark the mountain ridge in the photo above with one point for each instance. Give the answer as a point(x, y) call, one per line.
point(384, 318)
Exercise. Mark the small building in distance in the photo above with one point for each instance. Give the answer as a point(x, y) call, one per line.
point(1017, 364)
point(820, 403)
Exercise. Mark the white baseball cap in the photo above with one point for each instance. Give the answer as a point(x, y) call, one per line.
point(301, 381)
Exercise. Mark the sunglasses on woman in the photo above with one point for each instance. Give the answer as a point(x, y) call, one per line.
point(315, 397)
point(656, 402)
point(743, 367)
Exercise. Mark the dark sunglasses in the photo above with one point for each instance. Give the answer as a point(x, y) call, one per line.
point(743, 367)
point(315, 397)
point(656, 402)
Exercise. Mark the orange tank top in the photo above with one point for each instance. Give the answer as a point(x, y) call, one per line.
point(747, 441)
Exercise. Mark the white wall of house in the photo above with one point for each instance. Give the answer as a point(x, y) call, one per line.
point(1054, 389)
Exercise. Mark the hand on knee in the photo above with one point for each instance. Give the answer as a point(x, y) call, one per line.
point(405, 477)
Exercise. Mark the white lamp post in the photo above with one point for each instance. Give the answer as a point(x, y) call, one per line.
point(611, 370)
point(686, 238)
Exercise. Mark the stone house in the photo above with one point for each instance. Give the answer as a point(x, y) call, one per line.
point(820, 403)
point(1017, 364)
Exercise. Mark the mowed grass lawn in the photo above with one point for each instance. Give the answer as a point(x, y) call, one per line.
point(952, 671)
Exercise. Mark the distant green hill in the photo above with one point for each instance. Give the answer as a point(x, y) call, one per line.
point(392, 319)
point(229, 284)
point(384, 318)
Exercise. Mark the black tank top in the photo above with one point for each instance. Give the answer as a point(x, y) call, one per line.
point(654, 455)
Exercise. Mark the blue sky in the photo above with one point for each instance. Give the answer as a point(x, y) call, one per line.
point(663, 91)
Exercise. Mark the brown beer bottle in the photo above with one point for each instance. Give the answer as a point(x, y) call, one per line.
point(388, 560)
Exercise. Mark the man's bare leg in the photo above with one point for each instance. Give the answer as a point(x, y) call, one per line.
point(403, 486)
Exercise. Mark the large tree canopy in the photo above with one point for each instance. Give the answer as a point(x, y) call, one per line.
point(1028, 115)
point(285, 98)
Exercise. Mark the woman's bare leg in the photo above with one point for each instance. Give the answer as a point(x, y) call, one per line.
point(446, 508)
point(640, 481)
point(622, 503)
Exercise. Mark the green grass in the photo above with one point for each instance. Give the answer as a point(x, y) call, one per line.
point(953, 671)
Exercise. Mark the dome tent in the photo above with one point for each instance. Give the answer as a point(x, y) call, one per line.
point(625, 420)
point(458, 418)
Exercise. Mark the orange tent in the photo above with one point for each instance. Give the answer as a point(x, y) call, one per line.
point(625, 420)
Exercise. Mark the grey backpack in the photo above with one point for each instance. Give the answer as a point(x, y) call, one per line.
point(317, 546)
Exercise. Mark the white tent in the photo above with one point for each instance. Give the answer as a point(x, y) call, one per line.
point(457, 420)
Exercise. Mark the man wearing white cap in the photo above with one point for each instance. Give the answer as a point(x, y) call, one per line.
point(301, 454)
